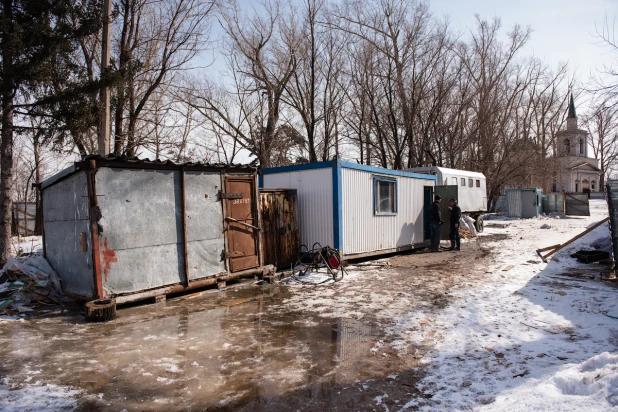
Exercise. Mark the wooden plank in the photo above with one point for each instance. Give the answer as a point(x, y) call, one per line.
point(585, 232)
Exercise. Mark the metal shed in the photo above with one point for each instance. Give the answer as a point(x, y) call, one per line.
point(359, 210)
point(133, 229)
point(525, 203)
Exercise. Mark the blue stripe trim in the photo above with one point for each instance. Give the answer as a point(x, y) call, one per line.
point(296, 168)
point(389, 172)
point(261, 181)
point(337, 206)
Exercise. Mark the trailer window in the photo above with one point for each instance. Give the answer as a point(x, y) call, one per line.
point(478, 183)
point(385, 196)
point(470, 183)
point(463, 181)
point(454, 181)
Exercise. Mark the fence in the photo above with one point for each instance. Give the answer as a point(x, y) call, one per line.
point(24, 218)
point(553, 203)
point(612, 204)
point(576, 204)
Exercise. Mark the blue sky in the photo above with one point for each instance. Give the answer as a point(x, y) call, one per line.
point(563, 31)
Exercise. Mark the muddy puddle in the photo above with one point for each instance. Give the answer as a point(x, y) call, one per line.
point(222, 351)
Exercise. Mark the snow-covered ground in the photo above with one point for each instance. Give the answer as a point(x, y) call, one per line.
point(526, 335)
point(536, 337)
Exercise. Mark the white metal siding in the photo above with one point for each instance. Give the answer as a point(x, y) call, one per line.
point(314, 202)
point(513, 199)
point(365, 232)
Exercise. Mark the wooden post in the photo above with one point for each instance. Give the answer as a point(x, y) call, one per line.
point(104, 132)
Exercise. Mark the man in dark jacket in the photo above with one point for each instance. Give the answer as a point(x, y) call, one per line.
point(435, 224)
point(455, 218)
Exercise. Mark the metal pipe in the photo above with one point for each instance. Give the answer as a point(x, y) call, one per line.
point(94, 230)
point(104, 132)
point(242, 223)
point(183, 202)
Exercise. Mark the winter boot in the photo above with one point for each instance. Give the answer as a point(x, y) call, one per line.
point(457, 245)
point(452, 245)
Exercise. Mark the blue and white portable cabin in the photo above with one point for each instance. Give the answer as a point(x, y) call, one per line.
point(524, 203)
point(359, 210)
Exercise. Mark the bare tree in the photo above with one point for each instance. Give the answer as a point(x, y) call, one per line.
point(602, 125)
point(157, 40)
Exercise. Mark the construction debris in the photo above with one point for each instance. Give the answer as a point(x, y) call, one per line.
point(29, 287)
point(553, 249)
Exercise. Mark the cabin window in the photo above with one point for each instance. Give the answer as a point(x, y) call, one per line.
point(567, 146)
point(385, 196)
point(478, 183)
point(463, 181)
point(593, 185)
point(454, 181)
point(470, 183)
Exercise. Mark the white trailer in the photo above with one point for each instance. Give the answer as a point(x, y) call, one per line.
point(469, 188)
point(359, 210)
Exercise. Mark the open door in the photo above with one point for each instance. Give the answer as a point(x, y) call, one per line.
point(241, 223)
point(446, 193)
point(427, 200)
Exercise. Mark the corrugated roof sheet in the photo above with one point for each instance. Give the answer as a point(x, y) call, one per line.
point(135, 162)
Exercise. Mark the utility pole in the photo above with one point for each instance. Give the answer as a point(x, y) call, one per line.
point(104, 129)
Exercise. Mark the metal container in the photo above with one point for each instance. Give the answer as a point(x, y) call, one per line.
point(135, 229)
point(524, 203)
point(280, 234)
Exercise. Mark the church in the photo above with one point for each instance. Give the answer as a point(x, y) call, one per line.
point(576, 171)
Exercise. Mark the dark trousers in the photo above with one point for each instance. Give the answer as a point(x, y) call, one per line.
point(435, 234)
point(455, 236)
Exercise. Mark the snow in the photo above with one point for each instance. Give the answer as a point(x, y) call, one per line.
point(36, 397)
point(26, 244)
point(533, 338)
point(527, 335)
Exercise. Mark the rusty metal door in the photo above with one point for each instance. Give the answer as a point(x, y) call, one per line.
point(280, 234)
point(241, 223)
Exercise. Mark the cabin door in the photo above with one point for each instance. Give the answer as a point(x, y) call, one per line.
point(241, 223)
point(446, 193)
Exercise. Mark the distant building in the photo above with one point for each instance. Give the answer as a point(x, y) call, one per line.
point(576, 172)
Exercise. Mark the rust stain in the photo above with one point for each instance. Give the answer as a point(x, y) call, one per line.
point(108, 256)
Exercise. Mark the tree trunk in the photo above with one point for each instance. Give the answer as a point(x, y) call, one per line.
point(6, 146)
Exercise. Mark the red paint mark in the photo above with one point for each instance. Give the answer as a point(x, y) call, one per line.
point(109, 257)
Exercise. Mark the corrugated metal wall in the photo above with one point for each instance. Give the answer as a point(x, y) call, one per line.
point(612, 204)
point(365, 232)
point(141, 244)
point(513, 200)
point(65, 218)
point(314, 202)
point(553, 203)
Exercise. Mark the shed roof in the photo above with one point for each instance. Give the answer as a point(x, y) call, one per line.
point(96, 161)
